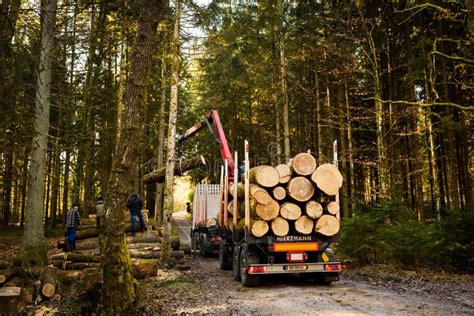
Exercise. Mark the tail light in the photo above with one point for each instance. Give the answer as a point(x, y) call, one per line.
point(257, 269)
point(333, 267)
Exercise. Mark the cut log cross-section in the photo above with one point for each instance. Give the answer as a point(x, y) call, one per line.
point(327, 225)
point(314, 209)
point(280, 226)
point(304, 225)
point(265, 176)
point(290, 211)
point(284, 172)
point(259, 228)
point(300, 189)
point(7, 274)
point(303, 164)
point(333, 208)
point(48, 282)
point(269, 211)
point(186, 165)
point(260, 194)
point(327, 178)
point(279, 193)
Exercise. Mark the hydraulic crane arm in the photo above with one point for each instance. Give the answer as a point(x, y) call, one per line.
point(212, 121)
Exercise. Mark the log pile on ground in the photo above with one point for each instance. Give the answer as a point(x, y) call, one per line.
point(298, 198)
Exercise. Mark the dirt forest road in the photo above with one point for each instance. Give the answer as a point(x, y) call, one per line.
point(206, 289)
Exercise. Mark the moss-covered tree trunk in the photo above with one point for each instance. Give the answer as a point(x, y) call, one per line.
point(33, 248)
point(166, 240)
point(118, 283)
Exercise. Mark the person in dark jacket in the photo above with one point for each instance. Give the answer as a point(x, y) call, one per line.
point(135, 204)
point(99, 207)
point(73, 221)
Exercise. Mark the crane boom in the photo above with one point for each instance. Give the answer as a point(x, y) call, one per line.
point(213, 121)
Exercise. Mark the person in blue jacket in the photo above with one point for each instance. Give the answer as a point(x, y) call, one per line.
point(73, 220)
point(135, 204)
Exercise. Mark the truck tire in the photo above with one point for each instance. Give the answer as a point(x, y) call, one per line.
point(205, 251)
point(246, 258)
point(225, 260)
point(236, 263)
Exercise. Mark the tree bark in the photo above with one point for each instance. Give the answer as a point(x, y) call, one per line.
point(118, 290)
point(265, 176)
point(161, 128)
point(284, 84)
point(165, 242)
point(33, 248)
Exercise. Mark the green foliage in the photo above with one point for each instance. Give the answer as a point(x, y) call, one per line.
point(447, 245)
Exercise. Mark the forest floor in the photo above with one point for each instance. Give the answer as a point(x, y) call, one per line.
point(378, 289)
point(204, 289)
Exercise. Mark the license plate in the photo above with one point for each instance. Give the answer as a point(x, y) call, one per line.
point(297, 267)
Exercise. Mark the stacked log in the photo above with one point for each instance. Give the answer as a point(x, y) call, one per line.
point(298, 198)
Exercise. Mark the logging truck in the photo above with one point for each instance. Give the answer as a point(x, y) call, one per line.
point(273, 220)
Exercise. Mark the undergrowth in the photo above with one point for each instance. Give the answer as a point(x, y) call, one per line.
point(377, 236)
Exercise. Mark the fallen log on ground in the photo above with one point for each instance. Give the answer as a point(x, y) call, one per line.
point(7, 274)
point(76, 257)
point(134, 253)
point(186, 165)
point(48, 282)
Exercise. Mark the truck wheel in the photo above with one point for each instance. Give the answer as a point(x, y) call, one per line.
point(246, 259)
point(224, 262)
point(236, 263)
point(205, 252)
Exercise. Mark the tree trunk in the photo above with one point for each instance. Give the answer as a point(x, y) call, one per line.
point(118, 290)
point(159, 175)
point(7, 185)
point(265, 176)
point(161, 128)
point(284, 84)
point(165, 242)
point(33, 248)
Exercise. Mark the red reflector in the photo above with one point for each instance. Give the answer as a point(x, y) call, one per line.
point(216, 238)
point(333, 267)
point(257, 269)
